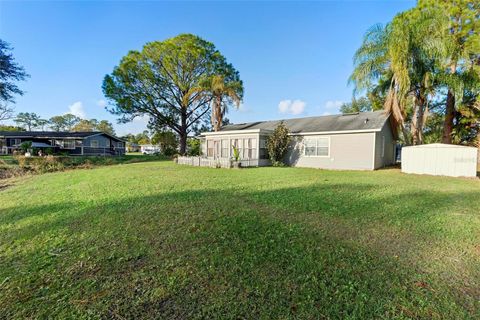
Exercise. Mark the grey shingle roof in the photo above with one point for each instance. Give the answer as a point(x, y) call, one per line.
point(342, 122)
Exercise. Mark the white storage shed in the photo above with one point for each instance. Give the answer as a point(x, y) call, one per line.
point(440, 160)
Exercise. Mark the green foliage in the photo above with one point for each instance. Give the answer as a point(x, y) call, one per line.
point(236, 153)
point(25, 146)
point(278, 143)
point(10, 128)
point(10, 73)
point(168, 142)
point(64, 122)
point(29, 120)
point(357, 105)
point(422, 56)
point(265, 243)
point(225, 91)
point(194, 147)
point(165, 81)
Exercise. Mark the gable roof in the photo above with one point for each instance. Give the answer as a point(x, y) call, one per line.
point(362, 121)
point(53, 134)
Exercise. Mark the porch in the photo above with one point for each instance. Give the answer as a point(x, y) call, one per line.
point(220, 162)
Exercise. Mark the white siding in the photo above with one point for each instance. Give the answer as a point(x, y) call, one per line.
point(440, 160)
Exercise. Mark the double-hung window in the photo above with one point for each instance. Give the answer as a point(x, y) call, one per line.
point(317, 147)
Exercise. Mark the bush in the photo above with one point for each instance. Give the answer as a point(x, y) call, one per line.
point(193, 145)
point(278, 144)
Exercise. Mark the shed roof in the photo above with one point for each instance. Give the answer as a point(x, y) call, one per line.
point(342, 122)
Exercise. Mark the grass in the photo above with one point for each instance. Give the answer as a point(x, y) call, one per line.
point(158, 240)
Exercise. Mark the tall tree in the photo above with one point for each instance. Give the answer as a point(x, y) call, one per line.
point(462, 36)
point(70, 121)
point(400, 60)
point(57, 123)
point(162, 82)
point(106, 127)
point(10, 73)
point(63, 122)
point(27, 120)
point(226, 92)
point(85, 125)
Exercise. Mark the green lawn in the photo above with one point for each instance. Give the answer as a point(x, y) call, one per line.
point(158, 240)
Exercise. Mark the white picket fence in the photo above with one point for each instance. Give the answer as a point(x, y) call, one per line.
point(215, 163)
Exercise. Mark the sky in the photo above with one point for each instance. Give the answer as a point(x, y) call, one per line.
point(294, 57)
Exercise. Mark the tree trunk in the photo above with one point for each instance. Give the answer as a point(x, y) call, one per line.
point(217, 121)
point(449, 116)
point(183, 134)
point(418, 118)
point(449, 112)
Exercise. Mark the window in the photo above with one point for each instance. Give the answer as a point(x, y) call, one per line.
point(317, 147)
point(225, 149)
point(68, 144)
point(16, 142)
point(209, 148)
point(263, 154)
point(94, 143)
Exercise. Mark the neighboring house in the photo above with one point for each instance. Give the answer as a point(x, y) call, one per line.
point(73, 143)
point(363, 141)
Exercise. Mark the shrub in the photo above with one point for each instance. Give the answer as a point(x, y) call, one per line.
point(193, 147)
point(25, 146)
point(278, 144)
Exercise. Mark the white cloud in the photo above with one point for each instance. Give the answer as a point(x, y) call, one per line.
point(101, 103)
point(291, 107)
point(326, 113)
point(77, 109)
point(333, 104)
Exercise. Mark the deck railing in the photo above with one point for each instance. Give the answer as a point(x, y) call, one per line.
point(215, 163)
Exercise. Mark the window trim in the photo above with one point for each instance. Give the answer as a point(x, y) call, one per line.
point(316, 138)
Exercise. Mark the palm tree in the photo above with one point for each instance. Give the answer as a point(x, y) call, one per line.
point(399, 61)
point(462, 39)
point(224, 94)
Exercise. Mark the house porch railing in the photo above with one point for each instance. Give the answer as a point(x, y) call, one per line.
point(216, 163)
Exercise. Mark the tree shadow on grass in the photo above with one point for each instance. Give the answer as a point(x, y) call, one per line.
point(284, 253)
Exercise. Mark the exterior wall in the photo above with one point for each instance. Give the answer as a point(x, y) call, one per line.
point(346, 151)
point(384, 147)
point(440, 160)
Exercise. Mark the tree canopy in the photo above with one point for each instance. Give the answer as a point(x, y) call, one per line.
point(424, 61)
point(10, 73)
point(166, 82)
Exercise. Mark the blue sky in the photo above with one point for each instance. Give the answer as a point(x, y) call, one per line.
point(294, 57)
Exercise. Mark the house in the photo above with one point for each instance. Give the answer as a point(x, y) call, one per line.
point(360, 141)
point(72, 143)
